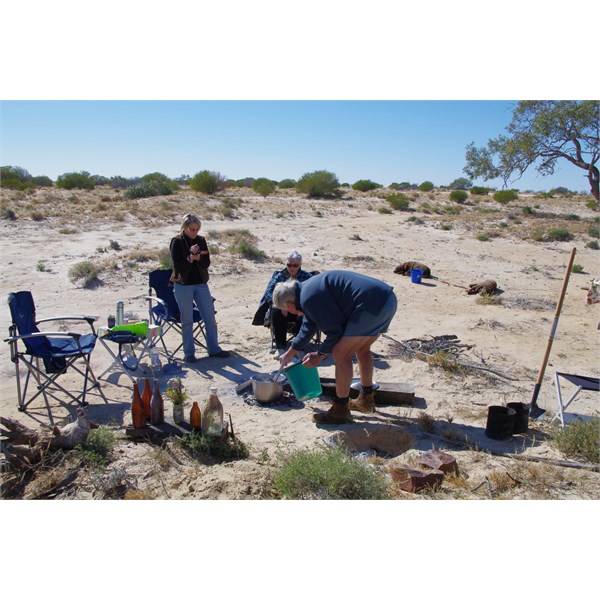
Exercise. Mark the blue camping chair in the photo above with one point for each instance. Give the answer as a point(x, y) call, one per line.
point(164, 311)
point(48, 354)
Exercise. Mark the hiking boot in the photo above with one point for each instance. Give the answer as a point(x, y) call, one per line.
point(365, 403)
point(338, 414)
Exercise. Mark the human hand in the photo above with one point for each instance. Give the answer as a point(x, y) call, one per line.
point(286, 357)
point(195, 249)
point(312, 359)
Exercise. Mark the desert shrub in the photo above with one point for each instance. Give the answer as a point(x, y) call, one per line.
point(577, 268)
point(579, 440)
point(505, 196)
point(94, 452)
point(527, 210)
point(365, 185)
point(478, 190)
point(246, 249)
point(458, 196)
point(8, 214)
point(204, 446)
point(318, 184)
point(207, 182)
point(86, 271)
point(160, 179)
point(36, 215)
point(384, 210)
point(426, 186)
point(561, 191)
point(593, 245)
point(330, 474)
point(594, 231)
point(14, 177)
point(42, 181)
point(403, 185)
point(559, 234)
point(119, 182)
point(263, 186)
point(71, 181)
point(148, 189)
point(286, 184)
point(482, 237)
point(398, 201)
point(591, 204)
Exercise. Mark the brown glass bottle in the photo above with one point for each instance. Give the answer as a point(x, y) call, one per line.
point(137, 409)
point(195, 417)
point(157, 409)
point(147, 399)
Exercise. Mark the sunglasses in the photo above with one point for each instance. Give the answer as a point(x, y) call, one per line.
point(294, 266)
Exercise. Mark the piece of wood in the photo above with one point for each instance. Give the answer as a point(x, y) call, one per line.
point(386, 393)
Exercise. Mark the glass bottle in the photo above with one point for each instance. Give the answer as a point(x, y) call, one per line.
point(195, 417)
point(137, 409)
point(157, 408)
point(147, 399)
point(212, 414)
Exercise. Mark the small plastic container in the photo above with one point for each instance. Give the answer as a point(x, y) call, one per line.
point(416, 275)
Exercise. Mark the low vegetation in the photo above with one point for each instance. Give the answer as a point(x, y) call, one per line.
point(579, 440)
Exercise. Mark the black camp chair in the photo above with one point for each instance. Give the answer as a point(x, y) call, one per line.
point(164, 311)
point(48, 354)
point(581, 383)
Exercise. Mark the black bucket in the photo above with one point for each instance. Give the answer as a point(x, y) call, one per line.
point(500, 422)
point(522, 416)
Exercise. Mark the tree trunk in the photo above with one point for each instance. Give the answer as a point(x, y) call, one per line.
point(594, 179)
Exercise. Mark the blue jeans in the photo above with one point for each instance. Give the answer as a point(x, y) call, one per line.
point(186, 295)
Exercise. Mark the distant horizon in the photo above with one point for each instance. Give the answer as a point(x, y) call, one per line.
point(385, 141)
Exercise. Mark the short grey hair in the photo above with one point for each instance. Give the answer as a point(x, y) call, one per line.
point(188, 220)
point(283, 293)
point(295, 255)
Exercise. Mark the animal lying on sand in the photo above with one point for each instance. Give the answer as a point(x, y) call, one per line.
point(484, 288)
point(406, 267)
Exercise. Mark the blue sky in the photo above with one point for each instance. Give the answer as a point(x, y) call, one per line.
point(385, 141)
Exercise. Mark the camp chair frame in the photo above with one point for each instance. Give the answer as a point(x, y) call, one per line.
point(164, 311)
point(581, 382)
point(78, 346)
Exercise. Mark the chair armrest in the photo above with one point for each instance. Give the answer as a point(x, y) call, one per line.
point(90, 320)
point(155, 299)
point(74, 334)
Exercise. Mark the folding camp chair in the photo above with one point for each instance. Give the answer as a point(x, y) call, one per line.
point(582, 382)
point(164, 311)
point(58, 351)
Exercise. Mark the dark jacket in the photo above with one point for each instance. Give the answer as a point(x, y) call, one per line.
point(189, 273)
point(332, 299)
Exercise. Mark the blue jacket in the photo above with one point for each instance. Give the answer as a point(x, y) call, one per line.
point(280, 276)
point(332, 299)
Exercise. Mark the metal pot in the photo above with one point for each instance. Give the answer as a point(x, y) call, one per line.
point(265, 389)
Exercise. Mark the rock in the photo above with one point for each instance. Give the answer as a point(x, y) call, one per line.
point(415, 480)
point(387, 440)
point(441, 461)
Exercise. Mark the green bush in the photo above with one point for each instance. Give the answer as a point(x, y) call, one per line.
point(85, 270)
point(246, 249)
point(365, 185)
point(478, 190)
point(161, 179)
point(593, 245)
point(80, 181)
point(404, 185)
point(505, 196)
point(42, 181)
point(462, 183)
point(263, 186)
point(398, 201)
point(594, 231)
point(329, 474)
point(285, 184)
point(426, 186)
point(17, 173)
point(579, 440)
point(208, 182)
point(319, 184)
point(577, 268)
point(148, 189)
point(97, 447)
point(458, 196)
point(559, 234)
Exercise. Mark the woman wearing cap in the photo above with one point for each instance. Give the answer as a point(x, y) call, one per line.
point(191, 259)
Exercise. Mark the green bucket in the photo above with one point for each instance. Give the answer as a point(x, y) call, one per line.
point(304, 381)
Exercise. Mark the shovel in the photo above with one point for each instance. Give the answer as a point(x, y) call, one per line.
point(535, 412)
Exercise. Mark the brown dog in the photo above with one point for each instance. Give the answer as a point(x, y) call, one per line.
point(485, 288)
point(406, 267)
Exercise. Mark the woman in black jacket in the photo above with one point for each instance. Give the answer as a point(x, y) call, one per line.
point(191, 259)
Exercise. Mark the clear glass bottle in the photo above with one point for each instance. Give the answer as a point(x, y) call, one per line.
point(212, 414)
point(157, 409)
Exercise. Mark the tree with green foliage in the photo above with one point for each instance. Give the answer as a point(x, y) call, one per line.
point(70, 181)
point(542, 132)
point(263, 186)
point(208, 182)
point(319, 184)
point(426, 186)
point(286, 184)
point(462, 183)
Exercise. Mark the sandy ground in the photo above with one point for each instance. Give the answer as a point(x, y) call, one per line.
point(509, 338)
